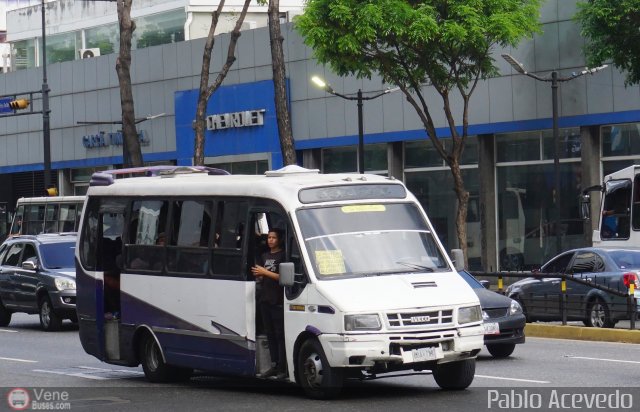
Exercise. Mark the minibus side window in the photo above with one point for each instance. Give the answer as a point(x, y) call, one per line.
point(34, 218)
point(51, 218)
point(145, 249)
point(188, 237)
point(18, 221)
point(89, 236)
point(231, 224)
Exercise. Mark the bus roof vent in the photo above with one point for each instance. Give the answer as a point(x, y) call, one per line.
point(291, 170)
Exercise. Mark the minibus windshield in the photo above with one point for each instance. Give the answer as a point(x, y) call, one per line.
point(369, 240)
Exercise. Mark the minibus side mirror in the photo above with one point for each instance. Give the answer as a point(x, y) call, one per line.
point(287, 274)
point(458, 259)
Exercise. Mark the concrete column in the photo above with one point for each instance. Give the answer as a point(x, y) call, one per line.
point(395, 160)
point(488, 224)
point(590, 166)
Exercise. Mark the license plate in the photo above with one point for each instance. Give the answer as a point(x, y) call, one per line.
point(424, 354)
point(491, 328)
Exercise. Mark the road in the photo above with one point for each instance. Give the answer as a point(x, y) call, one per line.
point(56, 362)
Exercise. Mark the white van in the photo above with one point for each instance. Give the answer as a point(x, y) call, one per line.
point(368, 287)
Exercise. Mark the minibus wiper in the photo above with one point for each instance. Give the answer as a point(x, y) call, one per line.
point(416, 266)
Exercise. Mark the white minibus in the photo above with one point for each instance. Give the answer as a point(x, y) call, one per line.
point(46, 214)
point(164, 278)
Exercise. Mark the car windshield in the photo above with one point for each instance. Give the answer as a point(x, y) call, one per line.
point(369, 240)
point(58, 255)
point(473, 282)
point(626, 259)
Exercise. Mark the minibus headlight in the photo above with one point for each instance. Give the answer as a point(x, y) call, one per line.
point(469, 314)
point(362, 322)
point(64, 283)
point(515, 308)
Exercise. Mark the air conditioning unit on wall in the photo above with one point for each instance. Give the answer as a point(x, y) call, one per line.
point(88, 53)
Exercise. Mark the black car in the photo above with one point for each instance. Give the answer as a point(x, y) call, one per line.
point(37, 275)
point(504, 321)
point(612, 268)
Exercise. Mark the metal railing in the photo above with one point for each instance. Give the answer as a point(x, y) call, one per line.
point(571, 305)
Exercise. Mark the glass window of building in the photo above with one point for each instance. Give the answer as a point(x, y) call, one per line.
point(24, 54)
point(106, 38)
point(375, 158)
point(434, 191)
point(527, 211)
point(570, 143)
point(422, 153)
point(340, 159)
point(158, 29)
point(251, 167)
point(621, 140)
point(63, 47)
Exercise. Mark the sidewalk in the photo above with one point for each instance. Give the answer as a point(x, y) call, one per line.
point(558, 331)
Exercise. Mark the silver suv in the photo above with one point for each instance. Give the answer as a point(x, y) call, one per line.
point(37, 275)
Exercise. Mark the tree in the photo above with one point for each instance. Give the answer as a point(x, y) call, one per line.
point(279, 74)
point(207, 90)
point(443, 43)
point(611, 29)
point(132, 153)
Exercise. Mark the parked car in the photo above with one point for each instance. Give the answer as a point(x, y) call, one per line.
point(504, 321)
point(616, 269)
point(37, 276)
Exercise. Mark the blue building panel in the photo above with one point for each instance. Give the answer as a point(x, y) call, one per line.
point(233, 140)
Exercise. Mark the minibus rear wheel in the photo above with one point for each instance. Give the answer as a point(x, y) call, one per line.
point(317, 378)
point(455, 375)
point(154, 366)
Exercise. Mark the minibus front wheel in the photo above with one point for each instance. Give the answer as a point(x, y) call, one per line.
point(317, 378)
point(154, 366)
point(455, 375)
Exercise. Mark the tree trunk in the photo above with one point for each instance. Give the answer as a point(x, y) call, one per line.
point(206, 90)
point(277, 65)
point(462, 196)
point(131, 152)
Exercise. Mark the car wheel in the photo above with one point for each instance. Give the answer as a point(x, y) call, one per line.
point(598, 314)
point(5, 315)
point(154, 366)
point(455, 375)
point(501, 350)
point(49, 319)
point(317, 378)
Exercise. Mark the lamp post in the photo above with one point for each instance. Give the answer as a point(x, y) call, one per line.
point(554, 79)
point(46, 128)
point(359, 98)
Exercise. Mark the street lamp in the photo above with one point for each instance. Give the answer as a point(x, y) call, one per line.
point(359, 98)
point(554, 79)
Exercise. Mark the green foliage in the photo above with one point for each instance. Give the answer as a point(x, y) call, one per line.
point(445, 42)
point(612, 30)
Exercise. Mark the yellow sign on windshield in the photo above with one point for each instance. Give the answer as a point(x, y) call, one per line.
point(363, 208)
point(330, 262)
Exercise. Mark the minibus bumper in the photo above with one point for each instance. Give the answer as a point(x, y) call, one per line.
point(402, 350)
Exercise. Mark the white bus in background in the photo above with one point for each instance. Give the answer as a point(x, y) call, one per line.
point(47, 214)
point(619, 213)
point(369, 289)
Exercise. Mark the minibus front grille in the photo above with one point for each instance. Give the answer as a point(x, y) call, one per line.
point(427, 318)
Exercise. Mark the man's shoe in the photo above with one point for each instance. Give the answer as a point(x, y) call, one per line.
point(281, 375)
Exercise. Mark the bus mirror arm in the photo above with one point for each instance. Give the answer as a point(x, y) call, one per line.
point(287, 274)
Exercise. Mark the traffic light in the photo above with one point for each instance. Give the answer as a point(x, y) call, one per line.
point(52, 191)
point(19, 104)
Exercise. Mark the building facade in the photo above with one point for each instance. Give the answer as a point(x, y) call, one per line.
point(508, 162)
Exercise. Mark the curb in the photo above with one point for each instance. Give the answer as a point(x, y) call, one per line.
point(582, 333)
